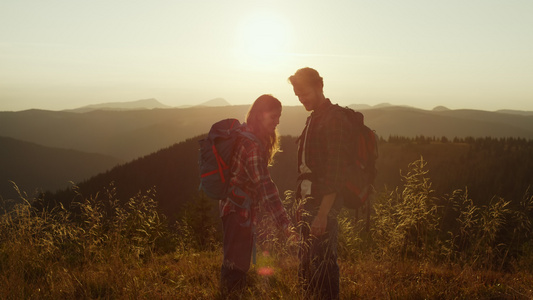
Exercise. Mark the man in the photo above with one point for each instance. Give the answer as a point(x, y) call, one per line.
point(322, 152)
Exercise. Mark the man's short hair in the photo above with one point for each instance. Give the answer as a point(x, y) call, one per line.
point(306, 77)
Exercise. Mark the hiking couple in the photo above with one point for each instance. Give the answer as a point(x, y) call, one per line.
point(322, 169)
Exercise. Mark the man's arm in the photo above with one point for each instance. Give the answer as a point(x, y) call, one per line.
point(318, 227)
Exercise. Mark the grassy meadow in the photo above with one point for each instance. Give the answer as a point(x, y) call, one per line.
point(420, 245)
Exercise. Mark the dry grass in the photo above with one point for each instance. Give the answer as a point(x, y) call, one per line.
point(370, 279)
point(195, 276)
point(110, 249)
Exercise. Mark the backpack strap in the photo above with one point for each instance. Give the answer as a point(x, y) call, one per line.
point(251, 136)
point(335, 110)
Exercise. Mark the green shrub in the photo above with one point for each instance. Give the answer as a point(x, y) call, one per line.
point(406, 221)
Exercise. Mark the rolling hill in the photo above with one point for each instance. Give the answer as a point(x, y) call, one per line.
point(37, 168)
point(130, 134)
point(410, 122)
point(123, 134)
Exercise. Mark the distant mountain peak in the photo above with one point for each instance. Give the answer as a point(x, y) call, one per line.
point(382, 105)
point(150, 103)
point(440, 108)
point(216, 102)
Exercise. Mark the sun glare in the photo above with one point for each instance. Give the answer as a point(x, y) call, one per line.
point(262, 40)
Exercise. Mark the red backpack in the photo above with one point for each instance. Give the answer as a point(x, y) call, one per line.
point(363, 162)
point(215, 155)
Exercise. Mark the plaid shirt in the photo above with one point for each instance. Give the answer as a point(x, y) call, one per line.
point(249, 169)
point(326, 149)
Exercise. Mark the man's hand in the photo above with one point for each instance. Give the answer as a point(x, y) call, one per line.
point(318, 227)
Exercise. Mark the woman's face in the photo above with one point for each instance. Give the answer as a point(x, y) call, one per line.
point(270, 119)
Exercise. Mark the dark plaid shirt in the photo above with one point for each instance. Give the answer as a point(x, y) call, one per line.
point(249, 169)
point(326, 149)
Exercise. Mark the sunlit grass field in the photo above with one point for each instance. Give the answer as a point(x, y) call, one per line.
point(194, 275)
point(420, 245)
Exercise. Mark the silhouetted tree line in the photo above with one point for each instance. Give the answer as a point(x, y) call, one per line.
point(487, 167)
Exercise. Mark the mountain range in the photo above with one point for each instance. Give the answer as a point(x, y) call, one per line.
point(142, 104)
point(131, 105)
point(102, 138)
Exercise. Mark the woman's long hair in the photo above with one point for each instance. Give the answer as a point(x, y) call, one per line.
point(270, 140)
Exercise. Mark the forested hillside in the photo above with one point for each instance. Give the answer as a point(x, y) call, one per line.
point(487, 167)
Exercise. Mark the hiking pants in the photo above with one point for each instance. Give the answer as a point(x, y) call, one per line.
point(318, 271)
point(238, 244)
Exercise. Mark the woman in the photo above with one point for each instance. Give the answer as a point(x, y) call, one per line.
point(250, 187)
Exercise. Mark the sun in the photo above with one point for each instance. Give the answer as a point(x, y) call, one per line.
point(262, 40)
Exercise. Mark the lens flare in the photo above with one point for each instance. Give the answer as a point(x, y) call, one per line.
point(265, 271)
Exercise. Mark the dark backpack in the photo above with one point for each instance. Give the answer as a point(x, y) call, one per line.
point(360, 184)
point(215, 155)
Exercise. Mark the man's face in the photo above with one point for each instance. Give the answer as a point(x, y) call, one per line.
point(308, 96)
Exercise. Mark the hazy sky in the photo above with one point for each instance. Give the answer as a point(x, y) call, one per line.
point(457, 53)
